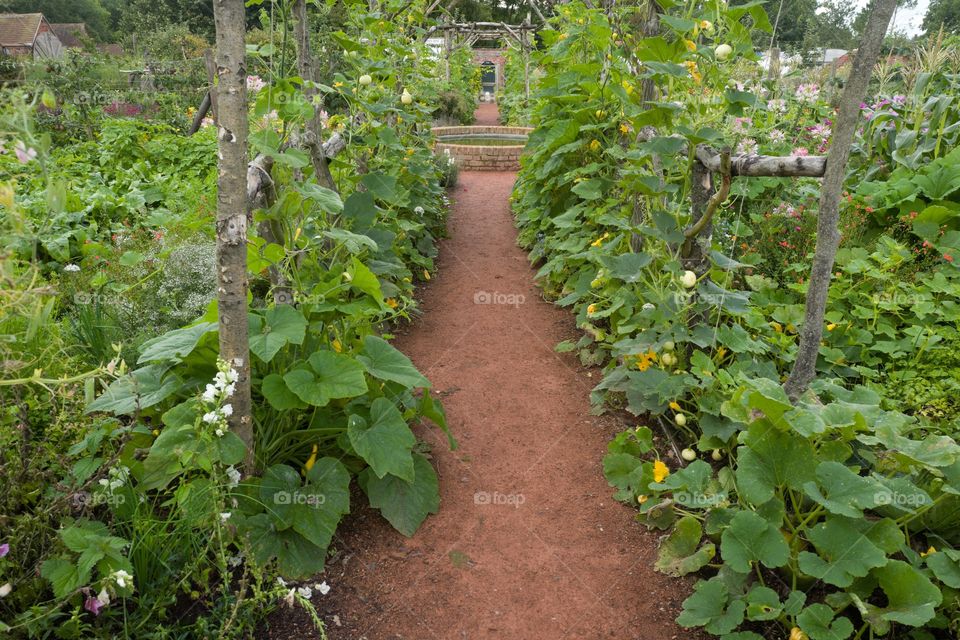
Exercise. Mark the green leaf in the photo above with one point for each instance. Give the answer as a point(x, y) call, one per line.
point(404, 504)
point(911, 598)
point(175, 345)
point(817, 621)
point(137, 390)
point(387, 444)
point(749, 539)
point(381, 186)
point(279, 326)
point(626, 266)
point(322, 502)
point(64, 576)
point(275, 390)
point(327, 199)
point(130, 259)
point(710, 607)
point(844, 492)
point(591, 189)
point(363, 279)
point(432, 409)
point(849, 549)
point(628, 474)
point(679, 554)
point(278, 488)
point(382, 360)
point(771, 459)
point(355, 243)
point(945, 565)
point(763, 603)
point(692, 487)
point(296, 556)
point(333, 376)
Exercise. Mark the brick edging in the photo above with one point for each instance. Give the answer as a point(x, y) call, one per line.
point(482, 157)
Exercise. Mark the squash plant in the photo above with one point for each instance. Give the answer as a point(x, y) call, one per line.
point(820, 520)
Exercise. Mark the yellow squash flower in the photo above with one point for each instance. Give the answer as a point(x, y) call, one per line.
point(392, 303)
point(675, 406)
point(310, 461)
point(930, 551)
point(797, 634)
point(642, 499)
point(660, 471)
point(337, 346)
point(831, 326)
point(592, 309)
point(595, 145)
point(690, 45)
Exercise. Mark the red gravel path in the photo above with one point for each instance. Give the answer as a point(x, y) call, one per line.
point(560, 560)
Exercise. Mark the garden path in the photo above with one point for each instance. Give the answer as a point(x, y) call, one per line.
point(528, 543)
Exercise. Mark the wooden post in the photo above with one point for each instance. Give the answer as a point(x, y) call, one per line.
point(313, 138)
point(447, 45)
point(211, 66)
point(773, 70)
point(232, 212)
point(525, 52)
point(828, 233)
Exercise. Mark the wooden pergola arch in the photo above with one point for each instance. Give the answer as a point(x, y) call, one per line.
point(467, 34)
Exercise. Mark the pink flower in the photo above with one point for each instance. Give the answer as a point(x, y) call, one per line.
point(747, 147)
point(4, 549)
point(777, 136)
point(808, 92)
point(742, 125)
point(93, 605)
point(821, 131)
point(255, 83)
point(800, 151)
point(24, 155)
point(777, 106)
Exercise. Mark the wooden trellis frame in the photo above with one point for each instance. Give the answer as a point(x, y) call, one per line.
point(469, 33)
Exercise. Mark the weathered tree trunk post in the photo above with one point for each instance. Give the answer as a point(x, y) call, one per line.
point(447, 45)
point(211, 67)
point(650, 27)
point(773, 70)
point(232, 212)
point(828, 232)
point(313, 137)
point(525, 51)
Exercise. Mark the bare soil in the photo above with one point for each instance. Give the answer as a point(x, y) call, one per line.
point(528, 543)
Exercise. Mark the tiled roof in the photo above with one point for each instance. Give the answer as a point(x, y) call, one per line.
point(19, 29)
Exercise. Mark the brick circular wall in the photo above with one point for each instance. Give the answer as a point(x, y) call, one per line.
point(482, 157)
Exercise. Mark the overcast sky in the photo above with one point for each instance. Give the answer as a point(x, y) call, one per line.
point(908, 20)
